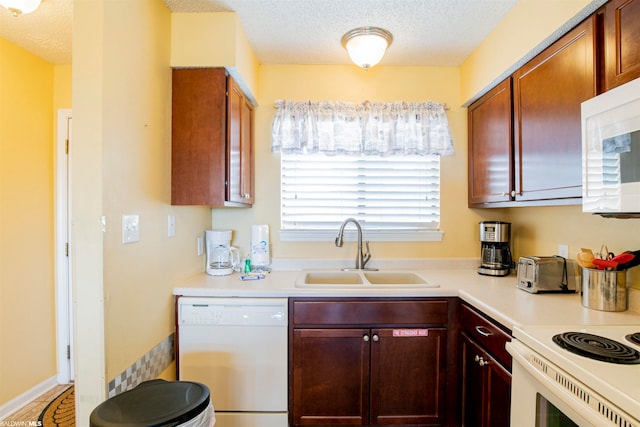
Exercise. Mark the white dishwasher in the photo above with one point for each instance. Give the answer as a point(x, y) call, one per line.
point(238, 348)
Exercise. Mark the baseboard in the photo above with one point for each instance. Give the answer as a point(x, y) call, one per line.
point(27, 397)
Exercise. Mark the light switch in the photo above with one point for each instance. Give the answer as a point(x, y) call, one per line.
point(130, 229)
point(171, 226)
point(200, 244)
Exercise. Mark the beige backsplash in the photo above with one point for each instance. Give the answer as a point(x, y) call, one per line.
point(539, 231)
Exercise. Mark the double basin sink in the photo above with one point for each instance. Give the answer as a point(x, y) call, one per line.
point(360, 279)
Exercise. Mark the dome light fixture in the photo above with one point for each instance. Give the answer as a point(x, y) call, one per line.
point(17, 7)
point(366, 45)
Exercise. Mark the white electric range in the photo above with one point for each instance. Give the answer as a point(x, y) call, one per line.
point(552, 386)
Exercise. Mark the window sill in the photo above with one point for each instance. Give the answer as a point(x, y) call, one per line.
point(368, 235)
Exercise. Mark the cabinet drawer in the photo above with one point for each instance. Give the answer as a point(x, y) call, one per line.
point(369, 313)
point(486, 333)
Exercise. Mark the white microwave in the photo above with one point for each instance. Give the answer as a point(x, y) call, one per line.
point(611, 152)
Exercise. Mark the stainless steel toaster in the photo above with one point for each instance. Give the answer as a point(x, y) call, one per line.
point(546, 274)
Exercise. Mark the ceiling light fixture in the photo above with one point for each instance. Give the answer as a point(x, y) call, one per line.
point(366, 45)
point(20, 6)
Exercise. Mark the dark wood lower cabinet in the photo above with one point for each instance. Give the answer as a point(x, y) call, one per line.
point(391, 370)
point(330, 377)
point(486, 388)
point(408, 377)
point(485, 393)
point(368, 376)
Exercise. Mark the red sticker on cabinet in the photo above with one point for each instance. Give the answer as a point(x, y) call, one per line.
point(410, 332)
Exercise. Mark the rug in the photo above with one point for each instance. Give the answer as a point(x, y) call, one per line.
point(61, 412)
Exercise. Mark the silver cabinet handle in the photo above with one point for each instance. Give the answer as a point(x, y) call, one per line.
point(366, 338)
point(376, 338)
point(481, 360)
point(483, 331)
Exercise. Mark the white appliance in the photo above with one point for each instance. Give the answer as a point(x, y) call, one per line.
point(552, 386)
point(238, 348)
point(222, 258)
point(611, 152)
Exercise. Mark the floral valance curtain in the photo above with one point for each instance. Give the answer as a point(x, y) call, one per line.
point(367, 128)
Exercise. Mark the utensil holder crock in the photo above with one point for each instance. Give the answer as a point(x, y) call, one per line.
point(604, 290)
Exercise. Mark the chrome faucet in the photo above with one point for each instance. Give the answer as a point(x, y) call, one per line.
point(361, 258)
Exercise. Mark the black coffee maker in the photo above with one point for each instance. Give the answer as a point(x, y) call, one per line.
point(495, 254)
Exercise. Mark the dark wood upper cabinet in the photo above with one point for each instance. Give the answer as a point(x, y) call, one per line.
point(490, 146)
point(239, 146)
point(525, 144)
point(547, 92)
point(621, 42)
point(211, 140)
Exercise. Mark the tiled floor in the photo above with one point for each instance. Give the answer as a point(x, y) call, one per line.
point(32, 411)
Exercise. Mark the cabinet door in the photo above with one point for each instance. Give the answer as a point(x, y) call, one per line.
point(246, 150)
point(198, 132)
point(408, 376)
point(239, 146)
point(490, 147)
point(548, 92)
point(330, 377)
point(622, 42)
point(498, 394)
point(473, 379)
point(486, 388)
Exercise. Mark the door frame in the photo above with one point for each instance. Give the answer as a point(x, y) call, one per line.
point(64, 298)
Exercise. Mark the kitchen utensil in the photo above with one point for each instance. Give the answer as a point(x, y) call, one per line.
point(634, 262)
point(585, 258)
point(613, 263)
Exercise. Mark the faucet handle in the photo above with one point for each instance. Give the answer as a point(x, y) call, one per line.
point(367, 255)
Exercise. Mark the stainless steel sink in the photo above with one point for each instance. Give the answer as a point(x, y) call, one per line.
point(339, 279)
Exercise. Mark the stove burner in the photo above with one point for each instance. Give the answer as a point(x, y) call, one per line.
point(597, 347)
point(634, 338)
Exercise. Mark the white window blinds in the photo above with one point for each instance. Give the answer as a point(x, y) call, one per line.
point(383, 193)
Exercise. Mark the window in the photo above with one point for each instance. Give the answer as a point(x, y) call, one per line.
point(376, 162)
point(393, 198)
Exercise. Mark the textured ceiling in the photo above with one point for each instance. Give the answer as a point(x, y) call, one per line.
point(426, 32)
point(45, 32)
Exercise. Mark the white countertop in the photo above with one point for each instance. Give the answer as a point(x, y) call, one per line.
point(498, 297)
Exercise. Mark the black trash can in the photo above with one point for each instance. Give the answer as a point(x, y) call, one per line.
point(157, 403)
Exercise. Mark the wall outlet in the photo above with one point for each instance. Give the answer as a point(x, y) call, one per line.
point(200, 249)
point(130, 229)
point(171, 226)
point(563, 251)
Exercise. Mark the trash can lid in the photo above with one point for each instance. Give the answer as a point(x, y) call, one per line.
point(153, 403)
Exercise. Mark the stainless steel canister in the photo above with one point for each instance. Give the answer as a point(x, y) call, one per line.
point(604, 290)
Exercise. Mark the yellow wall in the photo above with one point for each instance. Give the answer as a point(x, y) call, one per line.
point(122, 127)
point(528, 24)
point(538, 231)
point(350, 83)
point(214, 40)
point(27, 320)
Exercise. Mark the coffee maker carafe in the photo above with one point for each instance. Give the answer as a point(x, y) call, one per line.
point(222, 258)
point(495, 254)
